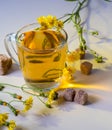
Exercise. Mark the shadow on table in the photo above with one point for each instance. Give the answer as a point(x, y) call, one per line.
point(99, 87)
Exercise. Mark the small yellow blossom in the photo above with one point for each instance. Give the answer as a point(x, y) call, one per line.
point(43, 22)
point(19, 97)
point(4, 103)
point(3, 118)
point(51, 96)
point(28, 104)
point(67, 75)
point(71, 68)
point(60, 24)
point(11, 125)
point(73, 56)
point(49, 22)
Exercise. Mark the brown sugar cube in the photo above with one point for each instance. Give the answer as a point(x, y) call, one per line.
point(5, 64)
point(81, 97)
point(3, 71)
point(86, 67)
point(69, 94)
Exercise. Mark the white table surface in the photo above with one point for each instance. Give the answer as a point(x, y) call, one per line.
point(97, 114)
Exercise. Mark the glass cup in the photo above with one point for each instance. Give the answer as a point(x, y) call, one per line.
point(41, 54)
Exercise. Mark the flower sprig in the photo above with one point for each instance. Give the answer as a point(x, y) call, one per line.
point(13, 109)
point(75, 18)
point(27, 103)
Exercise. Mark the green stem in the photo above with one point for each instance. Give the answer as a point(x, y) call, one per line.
point(40, 93)
point(76, 19)
point(6, 84)
point(15, 101)
point(13, 109)
point(98, 58)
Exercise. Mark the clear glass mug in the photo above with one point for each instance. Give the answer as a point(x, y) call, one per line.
point(41, 55)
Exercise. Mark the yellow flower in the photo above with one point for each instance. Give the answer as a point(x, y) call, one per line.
point(71, 68)
point(3, 118)
point(49, 22)
point(60, 24)
point(51, 96)
point(41, 19)
point(11, 125)
point(73, 56)
point(43, 22)
point(28, 104)
point(67, 75)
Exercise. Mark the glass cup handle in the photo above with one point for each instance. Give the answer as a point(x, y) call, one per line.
point(10, 45)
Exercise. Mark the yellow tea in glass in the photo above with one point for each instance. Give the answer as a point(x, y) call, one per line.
point(42, 55)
